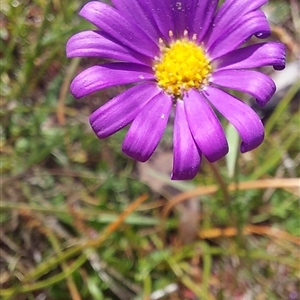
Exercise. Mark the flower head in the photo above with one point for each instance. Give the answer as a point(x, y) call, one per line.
point(181, 54)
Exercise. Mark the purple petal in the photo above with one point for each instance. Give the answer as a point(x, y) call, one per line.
point(233, 8)
point(246, 6)
point(205, 126)
point(204, 13)
point(147, 128)
point(121, 110)
point(161, 14)
point(186, 159)
point(183, 13)
point(133, 10)
point(240, 115)
point(259, 85)
point(254, 56)
point(96, 43)
point(99, 77)
point(252, 23)
point(228, 15)
point(113, 23)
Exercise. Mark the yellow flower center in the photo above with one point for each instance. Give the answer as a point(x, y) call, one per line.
point(181, 66)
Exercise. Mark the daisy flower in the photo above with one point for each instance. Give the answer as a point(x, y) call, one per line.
point(181, 56)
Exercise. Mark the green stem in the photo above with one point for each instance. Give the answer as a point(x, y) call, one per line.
point(275, 154)
point(221, 182)
point(26, 288)
point(27, 70)
point(282, 106)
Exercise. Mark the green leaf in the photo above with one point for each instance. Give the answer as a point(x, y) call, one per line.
point(233, 141)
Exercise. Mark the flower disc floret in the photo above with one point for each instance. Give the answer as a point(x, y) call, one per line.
point(182, 66)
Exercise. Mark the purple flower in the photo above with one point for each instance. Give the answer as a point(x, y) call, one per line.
point(183, 54)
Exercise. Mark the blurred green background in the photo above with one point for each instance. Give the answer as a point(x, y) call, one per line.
point(79, 220)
